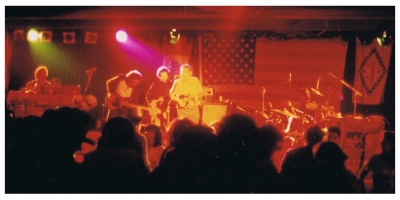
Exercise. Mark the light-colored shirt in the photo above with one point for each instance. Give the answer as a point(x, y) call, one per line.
point(190, 88)
point(123, 90)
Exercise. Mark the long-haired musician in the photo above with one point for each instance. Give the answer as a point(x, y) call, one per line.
point(126, 96)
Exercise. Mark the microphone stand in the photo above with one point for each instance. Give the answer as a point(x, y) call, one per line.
point(263, 103)
point(89, 79)
point(355, 92)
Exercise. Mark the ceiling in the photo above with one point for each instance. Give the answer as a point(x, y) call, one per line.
point(289, 20)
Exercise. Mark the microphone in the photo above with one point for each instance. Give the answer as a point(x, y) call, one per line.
point(290, 79)
point(177, 77)
point(91, 70)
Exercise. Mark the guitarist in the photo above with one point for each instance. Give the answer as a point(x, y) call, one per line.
point(186, 91)
point(158, 97)
point(123, 91)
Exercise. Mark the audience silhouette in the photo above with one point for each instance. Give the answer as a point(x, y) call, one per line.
point(331, 176)
point(298, 164)
point(117, 165)
point(382, 166)
point(236, 157)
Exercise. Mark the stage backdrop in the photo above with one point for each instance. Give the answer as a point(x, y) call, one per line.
point(282, 68)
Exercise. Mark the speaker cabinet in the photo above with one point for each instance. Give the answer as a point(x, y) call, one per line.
point(213, 112)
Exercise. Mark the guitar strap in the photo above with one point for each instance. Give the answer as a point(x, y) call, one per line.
point(133, 95)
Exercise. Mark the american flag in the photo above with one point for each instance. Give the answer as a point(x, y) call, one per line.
point(228, 58)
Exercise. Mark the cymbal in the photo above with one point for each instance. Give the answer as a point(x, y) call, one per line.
point(316, 92)
point(262, 114)
point(312, 106)
point(286, 104)
point(284, 112)
point(327, 108)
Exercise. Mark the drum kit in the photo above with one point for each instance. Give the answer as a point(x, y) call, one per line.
point(293, 118)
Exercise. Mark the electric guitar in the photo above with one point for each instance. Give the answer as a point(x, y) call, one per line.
point(156, 111)
point(183, 101)
point(114, 102)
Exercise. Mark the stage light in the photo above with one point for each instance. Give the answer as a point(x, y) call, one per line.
point(45, 36)
point(69, 37)
point(90, 37)
point(33, 35)
point(121, 36)
point(384, 39)
point(174, 36)
point(19, 35)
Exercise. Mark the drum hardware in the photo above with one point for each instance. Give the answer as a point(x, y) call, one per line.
point(285, 112)
point(317, 92)
point(289, 83)
point(355, 92)
point(312, 106)
point(263, 114)
point(327, 108)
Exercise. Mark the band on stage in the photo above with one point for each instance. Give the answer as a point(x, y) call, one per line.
point(171, 97)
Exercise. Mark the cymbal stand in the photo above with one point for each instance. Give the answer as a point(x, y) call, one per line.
point(263, 95)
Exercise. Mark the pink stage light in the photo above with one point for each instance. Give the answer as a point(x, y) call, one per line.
point(121, 36)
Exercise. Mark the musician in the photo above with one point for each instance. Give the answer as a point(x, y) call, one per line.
point(186, 92)
point(304, 112)
point(85, 103)
point(126, 96)
point(158, 97)
point(40, 84)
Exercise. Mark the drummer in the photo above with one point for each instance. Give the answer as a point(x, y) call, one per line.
point(302, 113)
point(306, 107)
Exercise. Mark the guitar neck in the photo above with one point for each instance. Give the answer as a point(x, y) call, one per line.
point(114, 101)
point(130, 105)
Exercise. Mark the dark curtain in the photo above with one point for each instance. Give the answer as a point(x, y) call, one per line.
point(386, 109)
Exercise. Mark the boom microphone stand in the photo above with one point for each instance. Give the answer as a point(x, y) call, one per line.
point(355, 92)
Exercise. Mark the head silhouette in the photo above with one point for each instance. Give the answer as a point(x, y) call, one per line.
point(267, 140)
point(118, 132)
point(314, 135)
point(153, 135)
point(330, 154)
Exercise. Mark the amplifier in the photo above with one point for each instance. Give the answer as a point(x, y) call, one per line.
point(213, 112)
point(208, 95)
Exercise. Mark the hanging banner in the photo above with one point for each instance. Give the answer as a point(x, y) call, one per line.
point(372, 66)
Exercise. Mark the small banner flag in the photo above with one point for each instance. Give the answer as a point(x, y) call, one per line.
point(69, 37)
point(90, 37)
point(45, 36)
